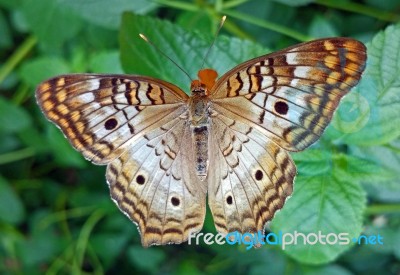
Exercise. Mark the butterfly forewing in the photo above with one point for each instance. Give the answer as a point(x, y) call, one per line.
point(102, 114)
point(292, 94)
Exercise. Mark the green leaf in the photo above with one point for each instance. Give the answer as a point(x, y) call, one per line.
point(20, 22)
point(106, 62)
point(5, 37)
point(100, 38)
point(8, 143)
point(39, 69)
point(321, 27)
point(388, 5)
point(312, 162)
point(359, 169)
point(396, 245)
point(186, 48)
point(295, 3)
point(105, 14)
point(43, 244)
point(326, 270)
point(363, 260)
point(318, 162)
point(199, 21)
point(386, 233)
point(108, 246)
point(383, 186)
point(329, 200)
point(52, 22)
point(11, 207)
point(32, 138)
point(376, 100)
point(62, 150)
point(147, 259)
point(10, 4)
point(12, 118)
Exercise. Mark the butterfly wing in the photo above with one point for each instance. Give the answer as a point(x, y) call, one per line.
point(260, 109)
point(250, 178)
point(154, 185)
point(101, 115)
point(292, 94)
point(138, 126)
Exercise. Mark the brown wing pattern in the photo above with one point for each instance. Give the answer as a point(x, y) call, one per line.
point(292, 94)
point(154, 185)
point(260, 109)
point(102, 114)
point(251, 176)
point(139, 127)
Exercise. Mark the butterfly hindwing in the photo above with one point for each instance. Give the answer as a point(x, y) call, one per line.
point(250, 179)
point(154, 185)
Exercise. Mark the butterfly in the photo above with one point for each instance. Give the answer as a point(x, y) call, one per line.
point(230, 139)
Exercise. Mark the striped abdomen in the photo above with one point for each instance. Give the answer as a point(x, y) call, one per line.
point(200, 146)
point(200, 127)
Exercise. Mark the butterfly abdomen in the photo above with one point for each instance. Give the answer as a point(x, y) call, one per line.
point(200, 145)
point(200, 128)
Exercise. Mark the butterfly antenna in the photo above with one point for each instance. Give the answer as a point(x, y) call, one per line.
point(215, 38)
point(162, 53)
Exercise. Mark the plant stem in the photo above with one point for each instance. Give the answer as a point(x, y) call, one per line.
point(237, 31)
point(83, 239)
point(178, 5)
point(17, 57)
point(382, 208)
point(393, 148)
point(233, 3)
point(16, 155)
point(230, 26)
point(361, 9)
point(69, 214)
point(22, 93)
point(268, 25)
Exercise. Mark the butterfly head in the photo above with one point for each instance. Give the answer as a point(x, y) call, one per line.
point(205, 83)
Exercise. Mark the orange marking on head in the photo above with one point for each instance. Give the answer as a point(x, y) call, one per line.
point(208, 78)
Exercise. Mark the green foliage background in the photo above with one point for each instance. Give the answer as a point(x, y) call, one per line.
point(56, 216)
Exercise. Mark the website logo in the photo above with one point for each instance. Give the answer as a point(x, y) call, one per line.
point(284, 240)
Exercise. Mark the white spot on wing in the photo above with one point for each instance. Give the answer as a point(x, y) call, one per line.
point(93, 84)
point(266, 82)
point(86, 97)
point(301, 71)
point(294, 82)
point(291, 58)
